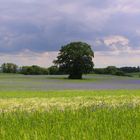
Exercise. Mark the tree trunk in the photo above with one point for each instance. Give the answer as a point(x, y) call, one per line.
point(75, 76)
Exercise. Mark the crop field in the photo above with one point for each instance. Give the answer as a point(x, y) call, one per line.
point(10, 82)
point(31, 109)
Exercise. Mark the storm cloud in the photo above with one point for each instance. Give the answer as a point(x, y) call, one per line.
point(110, 27)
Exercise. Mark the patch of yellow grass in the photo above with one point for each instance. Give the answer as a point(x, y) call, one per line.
point(46, 104)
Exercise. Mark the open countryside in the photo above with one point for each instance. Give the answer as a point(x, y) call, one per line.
point(80, 102)
point(69, 70)
point(19, 82)
point(54, 107)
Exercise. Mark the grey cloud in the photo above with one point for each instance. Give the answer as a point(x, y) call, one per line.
point(47, 24)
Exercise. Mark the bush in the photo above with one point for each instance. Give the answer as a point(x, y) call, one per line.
point(9, 68)
point(120, 73)
point(33, 70)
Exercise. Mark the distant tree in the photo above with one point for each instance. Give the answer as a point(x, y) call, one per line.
point(130, 69)
point(75, 59)
point(138, 69)
point(9, 68)
point(111, 70)
point(120, 73)
point(99, 70)
point(53, 70)
point(33, 70)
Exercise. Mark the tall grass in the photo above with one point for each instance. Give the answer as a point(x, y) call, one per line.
point(87, 123)
point(70, 115)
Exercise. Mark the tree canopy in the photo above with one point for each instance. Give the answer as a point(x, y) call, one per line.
point(33, 70)
point(75, 59)
point(9, 68)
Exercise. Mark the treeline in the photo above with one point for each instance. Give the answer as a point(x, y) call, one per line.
point(123, 71)
point(54, 70)
point(29, 70)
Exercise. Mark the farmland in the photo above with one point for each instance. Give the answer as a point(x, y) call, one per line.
point(10, 82)
point(53, 107)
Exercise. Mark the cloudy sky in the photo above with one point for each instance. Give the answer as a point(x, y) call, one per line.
point(33, 31)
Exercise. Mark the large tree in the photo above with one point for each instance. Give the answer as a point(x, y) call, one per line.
point(75, 59)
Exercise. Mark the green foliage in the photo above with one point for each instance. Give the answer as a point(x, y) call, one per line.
point(9, 68)
point(109, 70)
point(54, 70)
point(120, 73)
point(130, 69)
point(33, 70)
point(75, 59)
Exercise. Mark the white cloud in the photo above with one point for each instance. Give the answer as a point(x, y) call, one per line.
point(44, 59)
point(103, 59)
point(47, 24)
point(117, 43)
point(120, 52)
point(129, 6)
point(27, 57)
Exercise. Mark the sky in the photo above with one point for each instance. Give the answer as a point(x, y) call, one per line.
point(33, 31)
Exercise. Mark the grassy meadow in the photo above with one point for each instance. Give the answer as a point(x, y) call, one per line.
point(136, 74)
point(70, 115)
point(30, 114)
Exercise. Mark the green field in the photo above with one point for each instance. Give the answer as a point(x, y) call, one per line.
point(70, 115)
point(135, 74)
point(55, 108)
